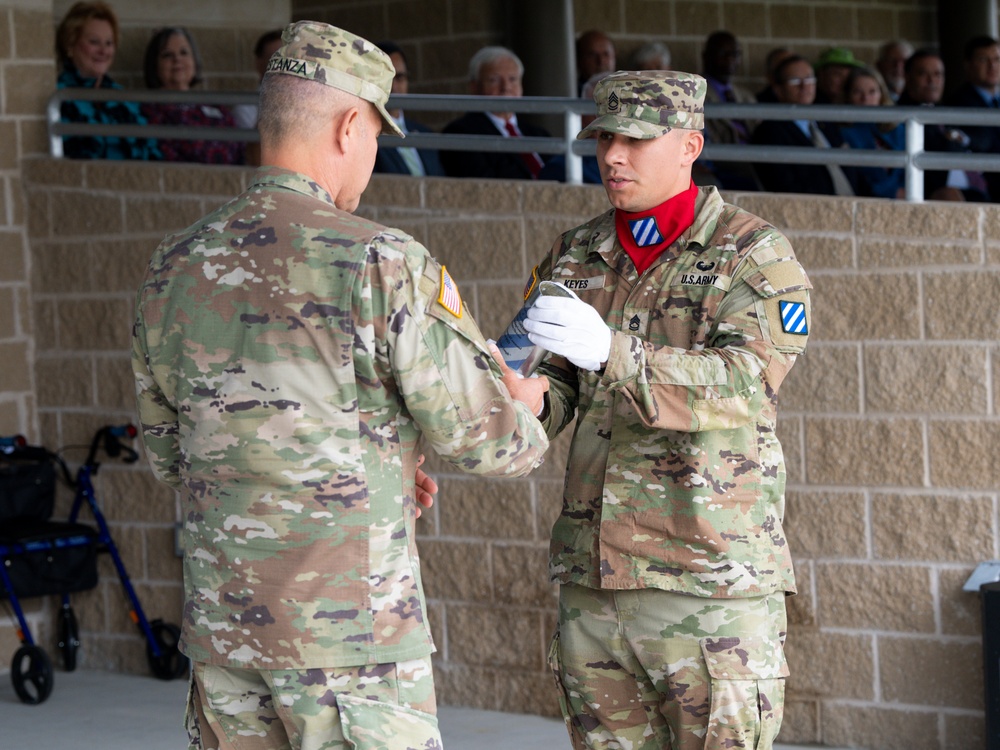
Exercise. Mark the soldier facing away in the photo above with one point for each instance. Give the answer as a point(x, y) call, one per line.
point(288, 355)
point(669, 549)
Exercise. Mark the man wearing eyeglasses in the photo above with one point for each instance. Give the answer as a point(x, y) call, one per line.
point(796, 84)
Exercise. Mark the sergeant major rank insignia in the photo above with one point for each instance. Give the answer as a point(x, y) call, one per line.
point(449, 298)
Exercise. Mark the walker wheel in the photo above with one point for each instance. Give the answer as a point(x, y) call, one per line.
point(171, 663)
point(31, 673)
point(69, 638)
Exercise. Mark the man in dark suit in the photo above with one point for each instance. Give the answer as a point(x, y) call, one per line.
point(493, 71)
point(982, 89)
point(795, 83)
point(924, 87)
point(419, 162)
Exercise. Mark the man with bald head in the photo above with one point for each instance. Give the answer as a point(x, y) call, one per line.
point(288, 356)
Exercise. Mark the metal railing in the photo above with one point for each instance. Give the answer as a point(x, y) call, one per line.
point(914, 160)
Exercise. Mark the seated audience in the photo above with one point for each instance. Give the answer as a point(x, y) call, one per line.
point(405, 159)
point(721, 58)
point(865, 88)
point(774, 58)
point(493, 71)
point(245, 115)
point(924, 87)
point(173, 64)
point(982, 89)
point(832, 69)
point(86, 41)
point(651, 56)
point(796, 84)
point(555, 167)
point(891, 64)
point(595, 53)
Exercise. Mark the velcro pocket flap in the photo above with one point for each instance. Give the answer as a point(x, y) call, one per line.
point(372, 724)
point(780, 277)
point(744, 658)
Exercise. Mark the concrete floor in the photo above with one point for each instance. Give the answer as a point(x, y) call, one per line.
point(90, 709)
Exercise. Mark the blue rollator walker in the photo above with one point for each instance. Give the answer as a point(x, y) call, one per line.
point(40, 557)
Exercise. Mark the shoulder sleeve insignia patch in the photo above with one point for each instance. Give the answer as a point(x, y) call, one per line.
point(449, 298)
point(793, 317)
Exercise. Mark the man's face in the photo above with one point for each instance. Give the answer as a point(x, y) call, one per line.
point(597, 55)
point(640, 174)
point(722, 60)
point(268, 49)
point(797, 85)
point(892, 66)
point(401, 80)
point(501, 77)
point(983, 68)
point(830, 80)
point(925, 81)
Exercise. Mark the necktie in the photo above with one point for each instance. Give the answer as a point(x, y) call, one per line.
point(531, 160)
point(411, 158)
point(841, 185)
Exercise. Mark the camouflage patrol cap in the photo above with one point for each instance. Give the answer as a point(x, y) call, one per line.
point(337, 58)
point(647, 104)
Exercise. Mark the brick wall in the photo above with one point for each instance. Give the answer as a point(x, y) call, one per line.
point(887, 424)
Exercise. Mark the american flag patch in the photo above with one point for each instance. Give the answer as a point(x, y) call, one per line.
point(449, 298)
point(793, 318)
point(645, 232)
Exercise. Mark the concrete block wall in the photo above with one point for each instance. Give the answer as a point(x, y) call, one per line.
point(887, 424)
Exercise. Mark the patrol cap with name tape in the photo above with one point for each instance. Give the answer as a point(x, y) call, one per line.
point(647, 104)
point(337, 58)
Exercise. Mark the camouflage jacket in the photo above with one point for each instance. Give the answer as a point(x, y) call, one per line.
point(287, 357)
point(675, 479)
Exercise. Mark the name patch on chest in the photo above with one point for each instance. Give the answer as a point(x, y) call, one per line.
point(583, 285)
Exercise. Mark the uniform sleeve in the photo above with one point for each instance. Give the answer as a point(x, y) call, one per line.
point(449, 382)
point(761, 326)
point(158, 421)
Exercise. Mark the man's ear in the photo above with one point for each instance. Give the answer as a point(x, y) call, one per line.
point(347, 129)
point(694, 142)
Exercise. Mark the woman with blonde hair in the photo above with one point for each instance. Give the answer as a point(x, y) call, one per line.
point(86, 41)
point(864, 87)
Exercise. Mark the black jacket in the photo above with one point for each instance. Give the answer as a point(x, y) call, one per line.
point(388, 160)
point(794, 178)
point(483, 164)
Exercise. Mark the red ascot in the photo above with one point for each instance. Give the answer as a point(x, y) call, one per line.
point(646, 234)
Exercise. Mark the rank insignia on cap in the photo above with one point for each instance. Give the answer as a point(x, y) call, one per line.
point(532, 283)
point(645, 232)
point(793, 318)
point(449, 298)
point(613, 102)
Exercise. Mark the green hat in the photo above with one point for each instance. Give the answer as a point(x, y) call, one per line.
point(337, 58)
point(838, 56)
point(648, 104)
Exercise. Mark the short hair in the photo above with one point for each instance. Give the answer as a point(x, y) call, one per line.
point(290, 107)
point(647, 53)
point(586, 36)
point(921, 54)
point(491, 54)
point(779, 71)
point(151, 70)
point(265, 39)
point(901, 43)
point(391, 48)
point(71, 26)
point(977, 43)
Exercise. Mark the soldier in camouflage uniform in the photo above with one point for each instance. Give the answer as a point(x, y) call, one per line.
point(288, 355)
point(669, 549)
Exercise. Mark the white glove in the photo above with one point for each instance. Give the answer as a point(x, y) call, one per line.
point(571, 328)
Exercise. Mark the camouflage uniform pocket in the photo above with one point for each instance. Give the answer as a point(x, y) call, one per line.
point(747, 691)
point(374, 725)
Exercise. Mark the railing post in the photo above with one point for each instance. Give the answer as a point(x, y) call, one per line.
point(53, 115)
point(574, 162)
point(914, 176)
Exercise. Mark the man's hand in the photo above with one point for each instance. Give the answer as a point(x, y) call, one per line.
point(571, 328)
point(424, 487)
point(529, 391)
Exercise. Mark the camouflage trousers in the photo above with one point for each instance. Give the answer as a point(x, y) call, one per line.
point(654, 670)
point(377, 707)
